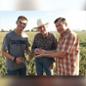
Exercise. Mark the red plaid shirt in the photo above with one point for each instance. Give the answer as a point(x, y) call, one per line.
point(69, 64)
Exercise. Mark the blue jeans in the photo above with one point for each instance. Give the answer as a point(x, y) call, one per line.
point(19, 72)
point(43, 65)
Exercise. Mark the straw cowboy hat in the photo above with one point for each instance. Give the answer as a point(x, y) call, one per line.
point(40, 22)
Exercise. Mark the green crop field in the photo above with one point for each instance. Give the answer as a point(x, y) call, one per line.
point(31, 68)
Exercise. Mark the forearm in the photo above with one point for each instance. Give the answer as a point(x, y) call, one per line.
point(7, 55)
point(55, 54)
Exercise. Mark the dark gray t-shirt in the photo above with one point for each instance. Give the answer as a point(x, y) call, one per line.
point(16, 46)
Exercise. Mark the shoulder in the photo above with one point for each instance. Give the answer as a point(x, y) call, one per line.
point(24, 35)
point(72, 34)
point(9, 34)
point(51, 34)
point(38, 34)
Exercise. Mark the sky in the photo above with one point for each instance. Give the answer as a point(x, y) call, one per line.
point(76, 19)
point(48, 10)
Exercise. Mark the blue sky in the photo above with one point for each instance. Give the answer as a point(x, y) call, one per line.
point(76, 19)
point(47, 10)
point(8, 18)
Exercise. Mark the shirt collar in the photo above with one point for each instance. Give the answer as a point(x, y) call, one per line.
point(65, 32)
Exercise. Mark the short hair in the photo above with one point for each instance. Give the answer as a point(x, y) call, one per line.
point(22, 17)
point(60, 19)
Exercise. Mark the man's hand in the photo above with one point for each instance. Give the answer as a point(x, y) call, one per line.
point(40, 53)
point(19, 60)
point(36, 51)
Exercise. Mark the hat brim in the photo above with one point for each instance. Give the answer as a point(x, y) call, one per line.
point(41, 25)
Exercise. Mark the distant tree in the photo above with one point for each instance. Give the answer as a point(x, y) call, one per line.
point(10, 29)
point(83, 30)
point(34, 29)
point(27, 30)
point(2, 30)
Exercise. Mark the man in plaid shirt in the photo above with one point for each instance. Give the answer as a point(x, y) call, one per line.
point(67, 53)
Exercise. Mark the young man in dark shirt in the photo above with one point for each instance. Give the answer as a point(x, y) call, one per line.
point(14, 47)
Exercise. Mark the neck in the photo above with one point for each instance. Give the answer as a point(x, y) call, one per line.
point(45, 34)
point(18, 32)
point(64, 30)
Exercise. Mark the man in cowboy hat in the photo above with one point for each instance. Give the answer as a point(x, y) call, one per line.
point(47, 41)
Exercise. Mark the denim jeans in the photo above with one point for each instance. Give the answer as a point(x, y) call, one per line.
point(43, 66)
point(19, 72)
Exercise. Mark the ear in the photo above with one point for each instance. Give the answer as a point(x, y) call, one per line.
point(16, 22)
point(65, 23)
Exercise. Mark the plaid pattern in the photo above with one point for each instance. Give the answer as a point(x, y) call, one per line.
point(69, 64)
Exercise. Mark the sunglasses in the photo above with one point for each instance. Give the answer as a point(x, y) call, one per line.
point(22, 22)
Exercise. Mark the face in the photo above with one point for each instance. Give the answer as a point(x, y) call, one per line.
point(21, 24)
point(60, 27)
point(41, 29)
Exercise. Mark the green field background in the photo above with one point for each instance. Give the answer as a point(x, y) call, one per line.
point(31, 64)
